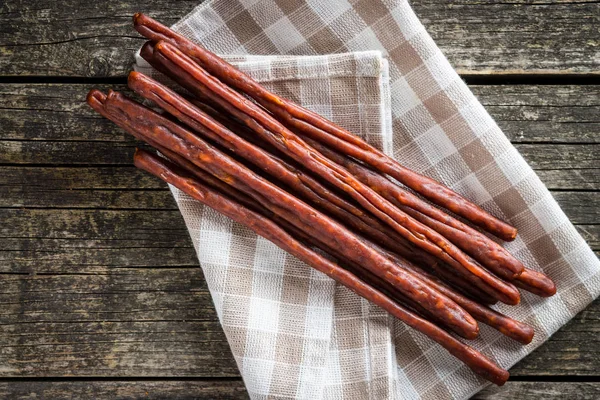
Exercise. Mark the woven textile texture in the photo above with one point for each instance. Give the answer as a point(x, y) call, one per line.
point(371, 67)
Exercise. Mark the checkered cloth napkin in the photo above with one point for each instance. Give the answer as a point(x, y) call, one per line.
point(371, 67)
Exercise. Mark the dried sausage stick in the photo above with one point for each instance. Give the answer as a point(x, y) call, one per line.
point(264, 227)
point(473, 242)
point(400, 245)
point(168, 134)
point(96, 100)
point(293, 146)
point(536, 283)
point(506, 325)
point(178, 106)
point(325, 131)
point(248, 202)
point(385, 237)
point(308, 188)
point(489, 253)
point(147, 51)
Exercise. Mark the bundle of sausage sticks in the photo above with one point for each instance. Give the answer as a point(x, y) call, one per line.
point(325, 196)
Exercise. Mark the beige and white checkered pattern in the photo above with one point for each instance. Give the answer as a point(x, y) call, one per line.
point(293, 332)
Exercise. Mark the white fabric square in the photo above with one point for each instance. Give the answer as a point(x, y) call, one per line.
point(264, 315)
point(435, 144)
point(285, 43)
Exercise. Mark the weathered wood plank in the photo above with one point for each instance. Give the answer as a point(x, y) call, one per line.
point(94, 224)
point(539, 156)
point(128, 322)
point(580, 207)
point(544, 113)
point(130, 389)
point(234, 389)
point(571, 179)
point(77, 188)
point(132, 322)
point(57, 241)
point(27, 256)
point(76, 38)
point(527, 113)
point(54, 112)
point(92, 241)
point(515, 37)
point(32, 191)
point(66, 152)
point(541, 390)
point(477, 37)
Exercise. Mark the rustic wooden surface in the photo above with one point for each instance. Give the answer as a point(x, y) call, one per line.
point(100, 293)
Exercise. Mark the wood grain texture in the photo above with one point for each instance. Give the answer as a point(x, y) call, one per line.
point(542, 390)
point(92, 241)
point(83, 38)
point(125, 322)
point(130, 389)
point(515, 37)
point(234, 389)
point(544, 113)
point(98, 275)
point(161, 322)
point(554, 127)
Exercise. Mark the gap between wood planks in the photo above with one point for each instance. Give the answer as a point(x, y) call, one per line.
point(470, 79)
point(521, 378)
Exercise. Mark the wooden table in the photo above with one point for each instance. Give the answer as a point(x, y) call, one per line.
point(100, 290)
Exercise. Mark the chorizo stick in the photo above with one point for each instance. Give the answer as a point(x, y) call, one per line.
point(304, 185)
point(536, 283)
point(248, 202)
point(400, 245)
point(480, 364)
point(291, 145)
point(512, 328)
point(325, 131)
point(482, 248)
point(178, 106)
point(96, 100)
point(489, 253)
point(169, 135)
point(147, 53)
point(506, 325)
